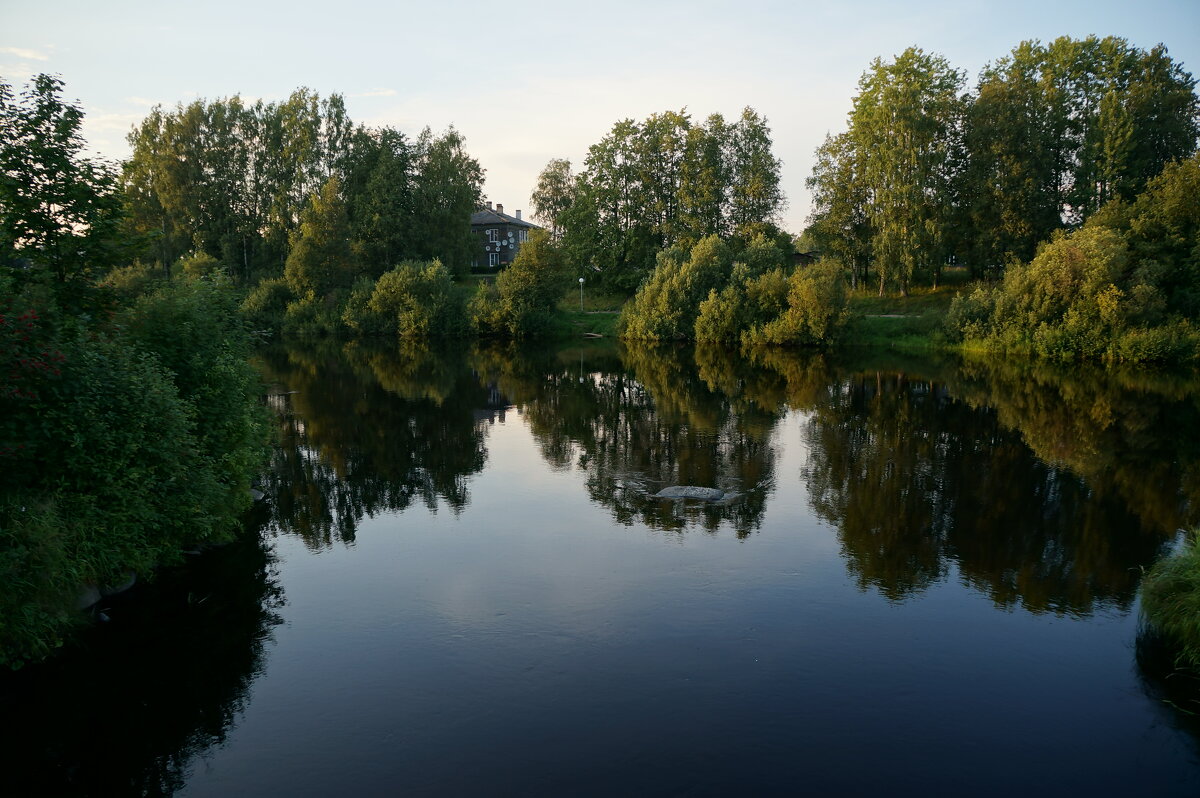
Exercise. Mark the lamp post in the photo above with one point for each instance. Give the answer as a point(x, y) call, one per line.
point(580, 294)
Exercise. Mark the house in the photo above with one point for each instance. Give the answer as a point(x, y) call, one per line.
point(500, 237)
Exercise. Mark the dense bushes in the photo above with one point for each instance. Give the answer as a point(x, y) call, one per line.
point(1125, 287)
point(710, 294)
point(120, 444)
point(521, 302)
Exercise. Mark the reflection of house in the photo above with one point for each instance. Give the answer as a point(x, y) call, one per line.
point(500, 236)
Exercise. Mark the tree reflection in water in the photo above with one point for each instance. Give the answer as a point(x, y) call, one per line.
point(366, 430)
point(130, 707)
point(1043, 488)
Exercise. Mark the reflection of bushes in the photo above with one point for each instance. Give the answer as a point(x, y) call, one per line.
point(915, 480)
point(370, 430)
point(1130, 434)
point(160, 685)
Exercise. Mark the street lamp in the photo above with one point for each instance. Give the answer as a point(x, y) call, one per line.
point(580, 294)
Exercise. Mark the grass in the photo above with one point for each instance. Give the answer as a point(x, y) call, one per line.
point(911, 322)
point(1171, 601)
point(598, 316)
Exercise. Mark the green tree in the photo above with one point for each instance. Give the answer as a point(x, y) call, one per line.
point(905, 124)
point(755, 196)
point(380, 197)
point(60, 210)
point(522, 302)
point(553, 195)
point(321, 262)
point(448, 189)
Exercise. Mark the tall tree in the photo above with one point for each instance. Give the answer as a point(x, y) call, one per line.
point(449, 186)
point(906, 126)
point(840, 224)
point(1010, 189)
point(754, 193)
point(704, 180)
point(553, 195)
point(58, 209)
point(321, 262)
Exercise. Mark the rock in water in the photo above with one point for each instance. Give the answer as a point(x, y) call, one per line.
point(690, 492)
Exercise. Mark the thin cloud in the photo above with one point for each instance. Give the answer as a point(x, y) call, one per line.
point(376, 93)
point(27, 54)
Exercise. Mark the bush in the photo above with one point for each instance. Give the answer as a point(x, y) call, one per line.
point(118, 449)
point(667, 304)
point(265, 308)
point(357, 315)
point(1124, 287)
point(312, 317)
point(817, 309)
point(130, 282)
point(419, 300)
point(522, 302)
point(741, 308)
point(197, 265)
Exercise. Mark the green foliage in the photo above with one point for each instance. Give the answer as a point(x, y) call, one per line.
point(739, 310)
point(1171, 600)
point(816, 311)
point(521, 303)
point(448, 190)
point(311, 317)
point(663, 182)
point(132, 281)
point(1051, 134)
point(553, 195)
point(194, 330)
point(59, 211)
point(667, 304)
point(1081, 297)
point(125, 434)
point(320, 260)
point(265, 307)
point(197, 265)
point(418, 300)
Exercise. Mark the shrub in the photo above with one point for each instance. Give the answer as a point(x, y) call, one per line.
point(265, 307)
point(197, 265)
point(357, 316)
point(667, 304)
point(522, 302)
point(817, 309)
point(419, 300)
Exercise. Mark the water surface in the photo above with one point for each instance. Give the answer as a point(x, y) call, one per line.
point(925, 582)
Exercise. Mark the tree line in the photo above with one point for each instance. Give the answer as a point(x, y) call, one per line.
point(662, 182)
point(130, 422)
point(231, 180)
point(926, 173)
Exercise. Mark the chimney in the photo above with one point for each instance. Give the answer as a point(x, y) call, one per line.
point(499, 208)
point(489, 205)
point(518, 216)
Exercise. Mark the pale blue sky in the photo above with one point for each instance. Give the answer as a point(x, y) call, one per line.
point(526, 82)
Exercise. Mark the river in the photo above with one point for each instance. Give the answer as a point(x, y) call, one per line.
point(923, 580)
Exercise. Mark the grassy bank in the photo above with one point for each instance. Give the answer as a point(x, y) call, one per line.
point(911, 322)
point(597, 314)
point(1171, 601)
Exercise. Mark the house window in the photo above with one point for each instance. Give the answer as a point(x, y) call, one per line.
point(492, 235)
point(493, 259)
point(524, 236)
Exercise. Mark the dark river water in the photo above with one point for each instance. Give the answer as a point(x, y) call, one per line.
point(923, 581)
